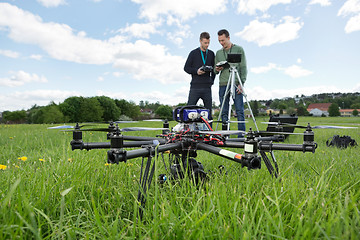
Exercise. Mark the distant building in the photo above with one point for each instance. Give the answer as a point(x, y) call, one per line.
point(319, 109)
point(347, 112)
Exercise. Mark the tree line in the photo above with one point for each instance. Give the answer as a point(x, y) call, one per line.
point(102, 108)
point(86, 109)
point(298, 104)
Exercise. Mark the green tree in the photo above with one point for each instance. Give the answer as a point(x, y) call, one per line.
point(355, 106)
point(290, 111)
point(15, 116)
point(164, 111)
point(52, 114)
point(71, 108)
point(255, 108)
point(90, 110)
point(355, 113)
point(111, 112)
point(302, 111)
point(334, 110)
point(129, 109)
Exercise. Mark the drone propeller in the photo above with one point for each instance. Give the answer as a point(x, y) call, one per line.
point(61, 127)
point(224, 132)
point(300, 126)
point(157, 120)
point(77, 126)
point(129, 121)
point(263, 133)
point(129, 129)
point(227, 121)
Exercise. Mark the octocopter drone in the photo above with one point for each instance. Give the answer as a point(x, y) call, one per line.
point(192, 133)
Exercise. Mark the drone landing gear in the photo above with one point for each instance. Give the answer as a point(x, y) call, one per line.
point(272, 171)
point(145, 181)
point(180, 164)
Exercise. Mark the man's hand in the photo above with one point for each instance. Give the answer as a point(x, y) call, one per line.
point(239, 89)
point(200, 72)
point(218, 69)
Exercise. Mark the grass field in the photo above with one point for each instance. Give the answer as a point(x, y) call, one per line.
point(48, 191)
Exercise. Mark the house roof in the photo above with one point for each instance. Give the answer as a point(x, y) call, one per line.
point(348, 110)
point(320, 106)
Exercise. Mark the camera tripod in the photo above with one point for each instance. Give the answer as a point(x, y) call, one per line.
point(231, 91)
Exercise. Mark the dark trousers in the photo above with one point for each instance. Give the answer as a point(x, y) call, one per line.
point(201, 93)
point(239, 106)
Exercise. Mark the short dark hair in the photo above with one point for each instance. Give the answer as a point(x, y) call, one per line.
point(223, 31)
point(204, 35)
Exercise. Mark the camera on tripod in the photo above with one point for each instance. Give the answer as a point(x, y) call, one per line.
point(206, 68)
point(233, 58)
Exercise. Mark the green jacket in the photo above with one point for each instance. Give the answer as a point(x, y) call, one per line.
point(221, 55)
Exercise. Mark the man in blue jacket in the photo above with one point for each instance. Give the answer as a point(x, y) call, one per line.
point(200, 64)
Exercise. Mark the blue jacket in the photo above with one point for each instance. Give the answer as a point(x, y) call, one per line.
point(194, 62)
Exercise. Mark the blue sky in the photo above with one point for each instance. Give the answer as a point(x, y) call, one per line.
point(136, 49)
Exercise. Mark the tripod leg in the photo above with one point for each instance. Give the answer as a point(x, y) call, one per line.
point(226, 95)
point(247, 102)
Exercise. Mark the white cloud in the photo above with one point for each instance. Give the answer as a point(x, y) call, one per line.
point(251, 6)
point(266, 34)
point(180, 95)
point(145, 61)
point(177, 37)
point(100, 79)
point(294, 71)
point(140, 58)
point(323, 3)
point(9, 53)
point(351, 8)
point(264, 69)
point(183, 10)
point(117, 74)
point(36, 57)
point(51, 3)
point(141, 30)
point(24, 100)
point(353, 24)
point(20, 78)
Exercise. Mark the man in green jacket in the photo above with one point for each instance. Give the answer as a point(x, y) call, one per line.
point(221, 55)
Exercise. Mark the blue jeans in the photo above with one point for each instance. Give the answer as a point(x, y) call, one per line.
point(196, 94)
point(239, 106)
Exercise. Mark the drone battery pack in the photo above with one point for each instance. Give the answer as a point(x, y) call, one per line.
point(190, 115)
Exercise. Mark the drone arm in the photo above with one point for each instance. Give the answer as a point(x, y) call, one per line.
point(143, 152)
point(106, 145)
point(137, 138)
point(221, 152)
point(268, 146)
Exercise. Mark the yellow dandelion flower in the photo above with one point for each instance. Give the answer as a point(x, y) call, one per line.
point(70, 160)
point(41, 160)
point(11, 137)
point(2, 167)
point(107, 164)
point(23, 158)
point(17, 166)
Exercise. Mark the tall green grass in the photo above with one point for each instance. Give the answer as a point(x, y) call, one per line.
point(76, 195)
